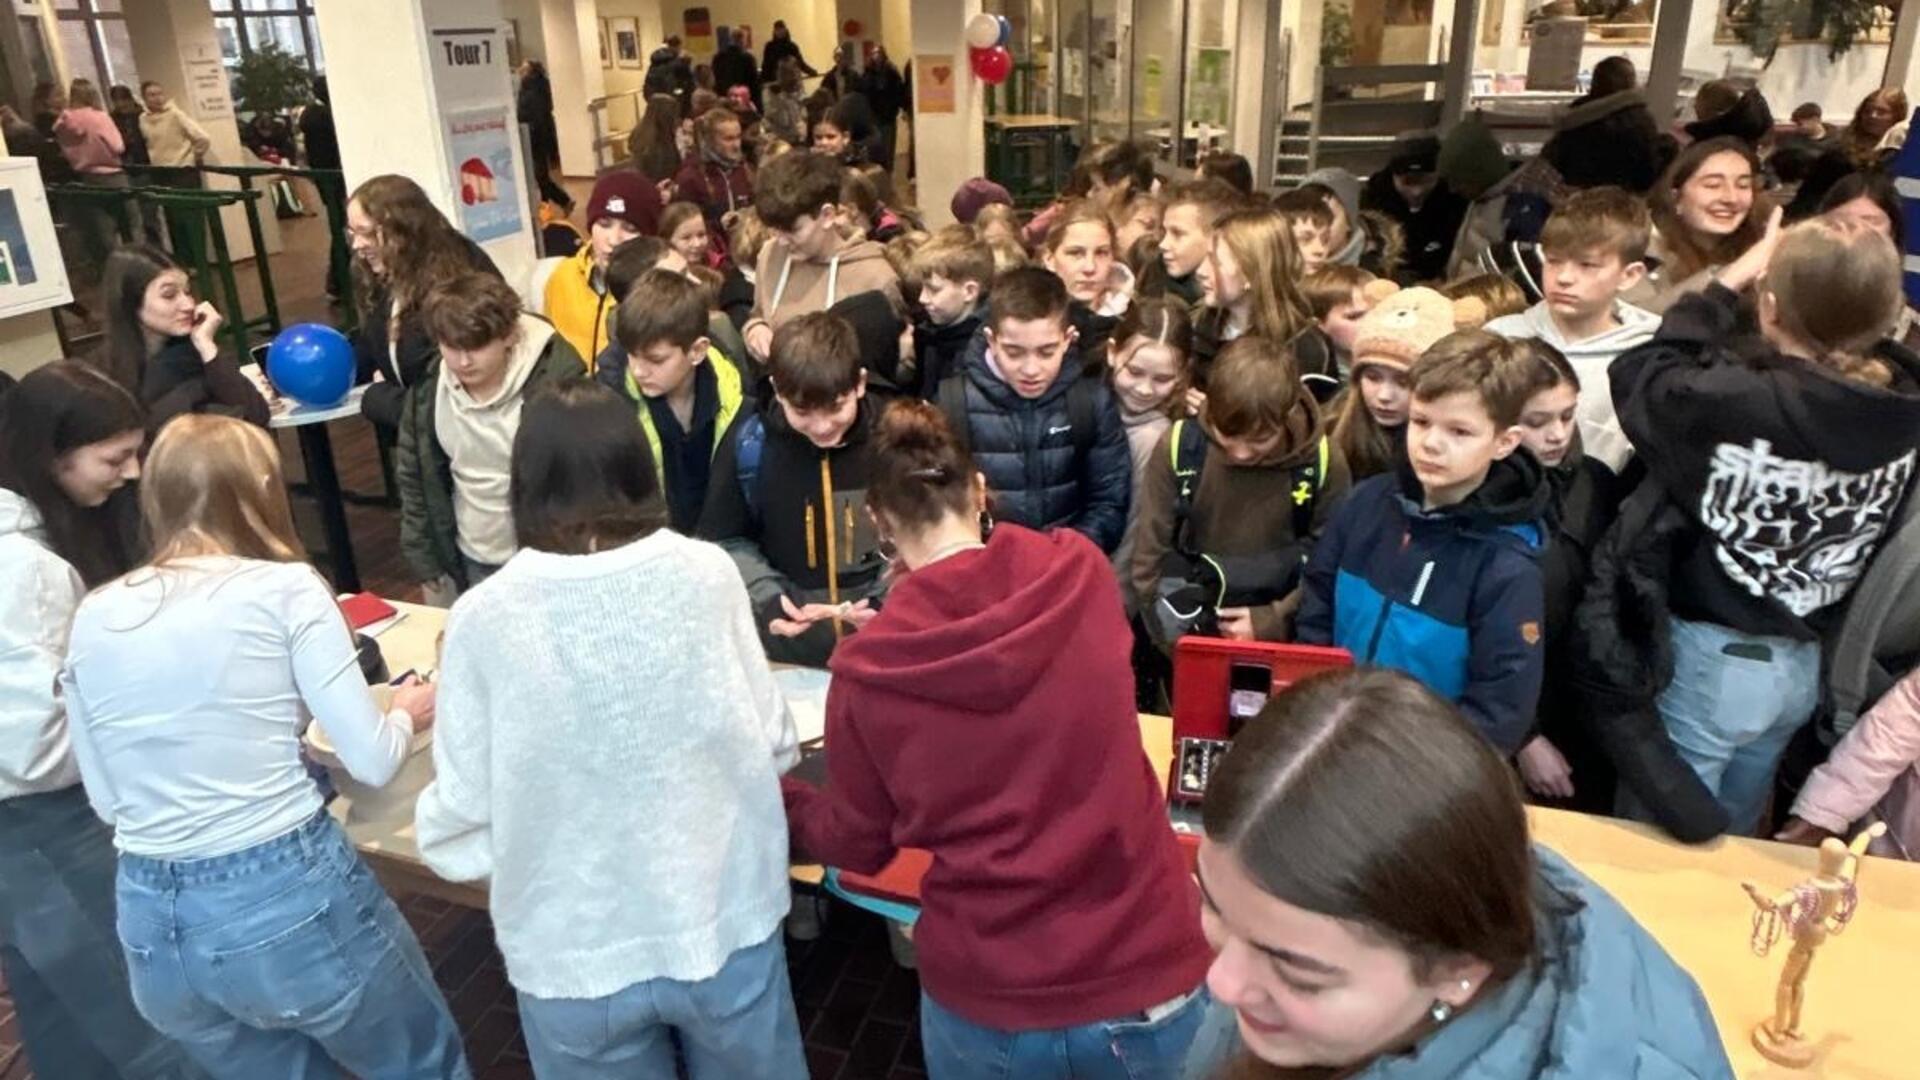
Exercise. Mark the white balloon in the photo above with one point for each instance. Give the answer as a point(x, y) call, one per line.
point(983, 31)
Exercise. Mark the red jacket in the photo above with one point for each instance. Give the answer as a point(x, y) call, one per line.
point(716, 191)
point(987, 715)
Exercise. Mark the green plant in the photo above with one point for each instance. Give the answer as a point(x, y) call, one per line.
point(271, 80)
point(1762, 25)
point(1336, 35)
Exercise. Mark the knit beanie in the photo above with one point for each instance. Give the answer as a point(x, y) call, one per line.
point(1471, 160)
point(628, 196)
point(976, 195)
point(1406, 324)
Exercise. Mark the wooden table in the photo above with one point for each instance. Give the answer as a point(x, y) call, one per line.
point(1858, 1008)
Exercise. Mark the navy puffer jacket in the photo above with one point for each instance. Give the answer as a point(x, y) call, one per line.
point(1026, 450)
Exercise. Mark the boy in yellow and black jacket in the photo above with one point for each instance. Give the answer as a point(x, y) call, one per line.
point(688, 394)
point(788, 493)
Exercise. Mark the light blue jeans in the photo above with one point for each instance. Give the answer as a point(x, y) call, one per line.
point(1144, 1046)
point(62, 961)
point(286, 960)
point(1733, 705)
point(737, 1025)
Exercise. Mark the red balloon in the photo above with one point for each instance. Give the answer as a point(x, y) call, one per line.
point(992, 66)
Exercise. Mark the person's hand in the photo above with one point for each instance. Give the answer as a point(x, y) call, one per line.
point(800, 619)
point(760, 340)
point(415, 698)
point(1236, 623)
point(1196, 400)
point(1802, 832)
point(1545, 769)
point(1745, 270)
point(441, 592)
point(207, 322)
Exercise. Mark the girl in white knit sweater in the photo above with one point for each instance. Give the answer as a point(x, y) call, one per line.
point(608, 753)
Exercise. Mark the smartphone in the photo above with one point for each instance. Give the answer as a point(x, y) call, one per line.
point(1248, 687)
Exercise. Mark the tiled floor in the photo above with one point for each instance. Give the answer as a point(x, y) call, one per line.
point(859, 1012)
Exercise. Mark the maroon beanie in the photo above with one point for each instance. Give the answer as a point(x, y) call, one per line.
point(628, 196)
point(976, 195)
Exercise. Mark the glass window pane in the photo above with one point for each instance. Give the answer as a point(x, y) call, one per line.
point(318, 60)
point(229, 31)
point(119, 48)
point(280, 30)
point(66, 5)
point(77, 44)
point(1156, 72)
point(267, 5)
point(107, 6)
point(1209, 80)
point(1108, 26)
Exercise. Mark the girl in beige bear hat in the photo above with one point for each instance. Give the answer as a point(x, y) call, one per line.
point(1371, 429)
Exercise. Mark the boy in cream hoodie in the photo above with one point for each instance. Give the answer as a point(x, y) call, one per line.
point(456, 437)
point(1591, 251)
point(810, 264)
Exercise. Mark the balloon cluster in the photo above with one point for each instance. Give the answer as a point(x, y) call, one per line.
point(987, 47)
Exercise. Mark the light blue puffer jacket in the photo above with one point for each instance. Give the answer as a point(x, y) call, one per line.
point(1605, 1000)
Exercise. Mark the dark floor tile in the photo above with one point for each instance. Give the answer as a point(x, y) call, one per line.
point(466, 957)
point(507, 1069)
point(899, 998)
point(824, 1064)
point(912, 1055)
point(836, 1029)
point(489, 1037)
point(486, 988)
point(874, 1051)
point(906, 1074)
point(853, 995)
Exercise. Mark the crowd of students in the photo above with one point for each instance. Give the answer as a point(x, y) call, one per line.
point(1586, 471)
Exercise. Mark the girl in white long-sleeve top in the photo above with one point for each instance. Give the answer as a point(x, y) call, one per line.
point(69, 444)
point(253, 933)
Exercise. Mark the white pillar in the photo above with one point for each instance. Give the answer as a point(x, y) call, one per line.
point(1906, 28)
point(1669, 55)
point(399, 70)
point(26, 341)
point(576, 76)
point(948, 148)
point(174, 44)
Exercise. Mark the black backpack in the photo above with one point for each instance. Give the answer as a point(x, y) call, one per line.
point(1082, 414)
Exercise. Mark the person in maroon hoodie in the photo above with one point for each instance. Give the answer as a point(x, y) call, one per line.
point(1059, 932)
point(716, 176)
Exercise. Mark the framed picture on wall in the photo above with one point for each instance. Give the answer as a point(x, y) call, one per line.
point(606, 50)
point(513, 43)
point(32, 275)
point(626, 40)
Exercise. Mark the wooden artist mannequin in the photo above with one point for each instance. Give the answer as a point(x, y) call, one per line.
point(1813, 911)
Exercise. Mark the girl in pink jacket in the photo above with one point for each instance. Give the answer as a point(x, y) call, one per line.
point(1874, 774)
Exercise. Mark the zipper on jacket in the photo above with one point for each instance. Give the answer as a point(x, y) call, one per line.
point(833, 568)
point(813, 558)
point(1379, 629)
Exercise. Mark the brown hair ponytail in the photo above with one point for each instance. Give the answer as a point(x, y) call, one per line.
point(921, 473)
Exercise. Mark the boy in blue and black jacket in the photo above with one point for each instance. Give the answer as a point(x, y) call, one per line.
point(1434, 568)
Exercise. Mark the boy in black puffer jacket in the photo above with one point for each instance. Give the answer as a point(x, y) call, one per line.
point(1047, 437)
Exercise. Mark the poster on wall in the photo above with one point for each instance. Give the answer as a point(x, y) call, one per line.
point(933, 82)
point(208, 97)
point(32, 277)
point(1211, 93)
point(480, 157)
point(697, 24)
point(626, 40)
point(606, 49)
point(469, 65)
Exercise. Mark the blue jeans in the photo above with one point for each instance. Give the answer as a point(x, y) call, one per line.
point(1733, 705)
point(58, 951)
point(285, 960)
point(737, 1025)
point(1144, 1046)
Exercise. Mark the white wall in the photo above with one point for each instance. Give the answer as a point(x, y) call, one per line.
point(26, 341)
point(948, 149)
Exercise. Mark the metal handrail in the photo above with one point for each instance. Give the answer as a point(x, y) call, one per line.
point(604, 138)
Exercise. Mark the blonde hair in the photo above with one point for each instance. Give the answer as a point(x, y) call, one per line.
point(748, 235)
point(1078, 212)
point(212, 486)
point(1261, 241)
point(1836, 287)
point(998, 220)
point(1496, 291)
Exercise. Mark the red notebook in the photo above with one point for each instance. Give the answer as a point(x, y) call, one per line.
point(364, 609)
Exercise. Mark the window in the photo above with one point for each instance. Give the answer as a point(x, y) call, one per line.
point(249, 25)
point(93, 34)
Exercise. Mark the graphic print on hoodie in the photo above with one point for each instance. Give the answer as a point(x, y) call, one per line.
point(1794, 471)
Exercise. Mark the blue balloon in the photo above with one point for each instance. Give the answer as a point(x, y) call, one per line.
point(1006, 31)
point(312, 364)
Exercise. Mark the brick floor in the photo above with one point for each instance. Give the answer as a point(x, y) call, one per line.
point(859, 1012)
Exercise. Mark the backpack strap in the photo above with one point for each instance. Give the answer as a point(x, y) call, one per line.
point(747, 449)
point(952, 399)
point(1188, 449)
point(1308, 479)
point(1082, 416)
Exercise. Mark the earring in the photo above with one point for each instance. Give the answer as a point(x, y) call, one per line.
point(986, 523)
point(1441, 1012)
